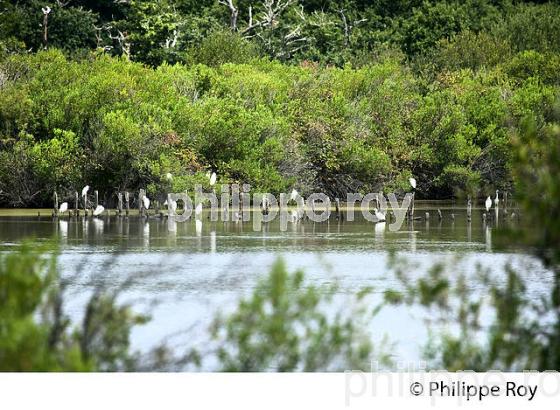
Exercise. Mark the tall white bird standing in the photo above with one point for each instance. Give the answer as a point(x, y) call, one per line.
point(84, 196)
point(497, 199)
point(488, 203)
point(98, 210)
point(412, 182)
point(63, 207)
point(85, 190)
point(212, 179)
point(146, 202)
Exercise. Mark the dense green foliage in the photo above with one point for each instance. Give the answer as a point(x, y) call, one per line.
point(117, 125)
point(335, 32)
point(332, 96)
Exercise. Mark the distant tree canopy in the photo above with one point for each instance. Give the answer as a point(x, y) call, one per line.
point(333, 32)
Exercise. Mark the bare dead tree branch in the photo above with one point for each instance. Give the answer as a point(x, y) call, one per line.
point(233, 13)
point(348, 27)
point(46, 11)
point(269, 16)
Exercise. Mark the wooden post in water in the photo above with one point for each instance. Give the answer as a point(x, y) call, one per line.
point(85, 204)
point(141, 196)
point(411, 209)
point(469, 209)
point(55, 211)
point(440, 216)
point(96, 193)
point(76, 204)
point(127, 202)
point(337, 209)
point(119, 204)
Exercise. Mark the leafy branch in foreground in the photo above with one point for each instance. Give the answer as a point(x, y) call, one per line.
point(37, 335)
point(285, 325)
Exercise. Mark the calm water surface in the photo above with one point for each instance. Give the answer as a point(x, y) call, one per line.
point(183, 278)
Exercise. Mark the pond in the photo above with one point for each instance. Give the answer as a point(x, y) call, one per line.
point(183, 277)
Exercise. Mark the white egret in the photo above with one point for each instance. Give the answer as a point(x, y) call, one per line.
point(146, 202)
point(412, 182)
point(379, 215)
point(63, 207)
point(99, 210)
point(488, 203)
point(293, 194)
point(497, 199)
point(85, 190)
point(212, 179)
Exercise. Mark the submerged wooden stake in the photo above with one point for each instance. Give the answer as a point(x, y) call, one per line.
point(76, 204)
point(141, 196)
point(127, 202)
point(55, 212)
point(119, 204)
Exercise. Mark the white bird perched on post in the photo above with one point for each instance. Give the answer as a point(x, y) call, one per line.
point(63, 207)
point(412, 182)
point(212, 179)
point(146, 202)
point(85, 190)
point(488, 203)
point(497, 199)
point(293, 194)
point(99, 210)
point(379, 215)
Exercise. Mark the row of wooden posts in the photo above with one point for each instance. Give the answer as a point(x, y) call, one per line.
point(123, 206)
point(123, 203)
